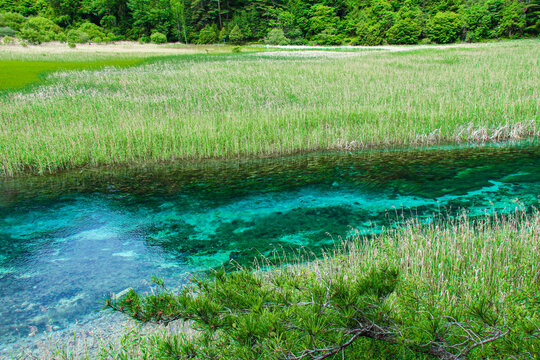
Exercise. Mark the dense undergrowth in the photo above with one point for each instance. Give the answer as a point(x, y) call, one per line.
point(464, 289)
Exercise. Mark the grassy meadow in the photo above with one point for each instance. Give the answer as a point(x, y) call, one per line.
point(210, 104)
point(16, 74)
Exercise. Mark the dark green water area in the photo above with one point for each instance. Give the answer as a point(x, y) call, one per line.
point(68, 239)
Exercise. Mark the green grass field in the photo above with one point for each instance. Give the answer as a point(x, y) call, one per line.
point(254, 104)
point(16, 74)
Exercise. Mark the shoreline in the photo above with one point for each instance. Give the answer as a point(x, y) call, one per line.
point(425, 143)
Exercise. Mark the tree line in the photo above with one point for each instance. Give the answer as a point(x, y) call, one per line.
point(326, 22)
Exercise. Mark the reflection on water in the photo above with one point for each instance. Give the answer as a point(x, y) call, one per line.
point(68, 239)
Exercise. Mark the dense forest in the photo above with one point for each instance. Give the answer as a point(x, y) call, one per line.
point(323, 22)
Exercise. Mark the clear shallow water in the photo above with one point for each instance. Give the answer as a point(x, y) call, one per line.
point(66, 240)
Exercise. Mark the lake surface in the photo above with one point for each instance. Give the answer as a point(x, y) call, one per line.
point(67, 240)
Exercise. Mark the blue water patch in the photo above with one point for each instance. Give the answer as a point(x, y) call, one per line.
point(66, 240)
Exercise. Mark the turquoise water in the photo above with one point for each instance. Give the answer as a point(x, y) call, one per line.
point(67, 240)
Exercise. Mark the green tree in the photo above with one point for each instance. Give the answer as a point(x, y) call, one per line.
point(68, 10)
point(513, 20)
point(24, 7)
point(236, 35)
point(324, 17)
point(149, 15)
point(405, 31)
point(532, 17)
point(328, 36)
point(306, 314)
point(445, 27)
point(179, 13)
point(209, 34)
point(373, 23)
point(276, 36)
point(223, 34)
point(476, 22)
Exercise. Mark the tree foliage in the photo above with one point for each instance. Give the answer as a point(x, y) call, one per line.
point(294, 315)
point(445, 27)
point(369, 22)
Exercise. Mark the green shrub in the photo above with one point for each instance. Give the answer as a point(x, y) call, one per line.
point(208, 35)
point(276, 36)
point(145, 39)
point(92, 31)
point(77, 36)
point(369, 34)
point(40, 29)
point(12, 20)
point(114, 37)
point(236, 35)
point(158, 38)
point(33, 37)
point(8, 40)
point(295, 36)
point(405, 31)
point(223, 34)
point(7, 31)
point(72, 45)
point(328, 37)
point(445, 27)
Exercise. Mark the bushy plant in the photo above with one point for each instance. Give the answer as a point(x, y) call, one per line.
point(39, 29)
point(405, 31)
point(223, 34)
point(370, 34)
point(328, 37)
point(77, 36)
point(295, 36)
point(32, 36)
point(276, 36)
point(12, 20)
point(209, 35)
point(92, 31)
point(8, 40)
point(144, 39)
point(445, 27)
point(158, 38)
point(236, 35)
point(7, 31)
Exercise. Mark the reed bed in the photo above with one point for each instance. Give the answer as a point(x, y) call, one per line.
point(231, 105)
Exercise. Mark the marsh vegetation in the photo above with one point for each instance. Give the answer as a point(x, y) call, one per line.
point(230, 105)
point(458, 284)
